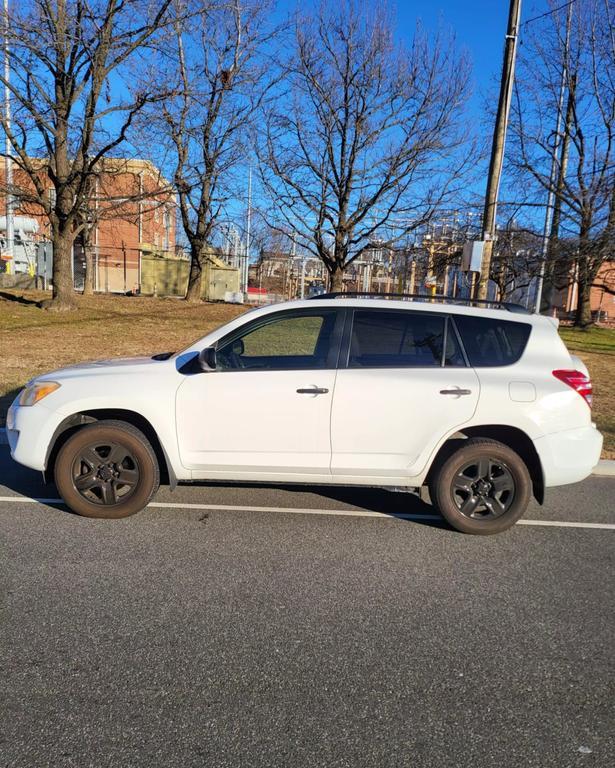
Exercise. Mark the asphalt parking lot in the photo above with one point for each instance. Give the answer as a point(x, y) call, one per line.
point(299, 627)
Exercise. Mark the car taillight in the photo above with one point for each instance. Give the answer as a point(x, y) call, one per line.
point(579, 381)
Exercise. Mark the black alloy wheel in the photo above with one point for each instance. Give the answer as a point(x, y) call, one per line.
point(105, 473)
point(107, 469)
point(483, 487)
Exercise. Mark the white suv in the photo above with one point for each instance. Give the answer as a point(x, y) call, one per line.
point(484, 406)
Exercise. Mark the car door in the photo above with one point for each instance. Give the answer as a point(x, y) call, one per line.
point(266, 408)
point(403, 383)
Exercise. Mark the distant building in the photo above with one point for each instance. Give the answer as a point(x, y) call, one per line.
point(602, 296)
point(131, 217)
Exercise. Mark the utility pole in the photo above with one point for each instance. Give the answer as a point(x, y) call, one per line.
point(550, 221)
point(302, 293)
point(8, 161)
point(498, 144)
point(246, 265)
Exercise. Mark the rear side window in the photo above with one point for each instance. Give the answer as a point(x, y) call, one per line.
point(382, 339)
point(489, 343)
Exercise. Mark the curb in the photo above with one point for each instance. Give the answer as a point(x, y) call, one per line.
point(604, 468)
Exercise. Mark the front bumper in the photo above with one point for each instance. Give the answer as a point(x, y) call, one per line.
point(30, 431)
point(569, 456)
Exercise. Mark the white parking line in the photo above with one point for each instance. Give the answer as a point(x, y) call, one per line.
point(310, 511)
point(29, 500)
point(295, 510)
point(567, 524)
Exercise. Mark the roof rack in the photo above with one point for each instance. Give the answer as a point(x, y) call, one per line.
point(510, 307)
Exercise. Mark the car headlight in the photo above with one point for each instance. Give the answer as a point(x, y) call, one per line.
point(37, 391)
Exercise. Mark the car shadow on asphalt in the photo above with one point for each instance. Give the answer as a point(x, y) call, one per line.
point(393, 503)
point(401, 504)
point(21, 480)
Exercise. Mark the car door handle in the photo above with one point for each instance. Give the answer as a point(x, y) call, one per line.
point(312, 391)
point(456, 391)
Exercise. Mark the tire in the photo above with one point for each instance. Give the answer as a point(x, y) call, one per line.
point(483, 488)
point(108, 470)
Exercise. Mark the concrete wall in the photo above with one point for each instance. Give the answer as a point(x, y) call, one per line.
point(25, 282)
point(164, 277)
point(218, 281)
point(169, 277)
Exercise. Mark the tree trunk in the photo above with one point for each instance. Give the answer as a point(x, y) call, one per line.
point(193, 291)
point(63, 295)
point(336, 280)
point(583, 316)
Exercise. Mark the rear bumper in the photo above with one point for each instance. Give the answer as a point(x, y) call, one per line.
point(569, 456)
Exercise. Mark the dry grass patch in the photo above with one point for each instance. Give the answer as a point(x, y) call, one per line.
point(596, 347)
point(602, 370)
point(34, 341)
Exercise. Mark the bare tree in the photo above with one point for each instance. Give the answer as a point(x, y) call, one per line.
point(584, 185)
point(71, 107)
point(218, 70)
point(516, 262)
point(361, 144)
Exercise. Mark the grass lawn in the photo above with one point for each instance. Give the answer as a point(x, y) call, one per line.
point(34, 341)
point(596, 347)
point(592, 340)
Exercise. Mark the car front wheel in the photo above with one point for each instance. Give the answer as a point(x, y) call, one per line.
point(482, 488)
point(107, 469)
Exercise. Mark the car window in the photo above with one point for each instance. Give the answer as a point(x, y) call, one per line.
point(489, 342)
point(395, 339)
point(294, 341)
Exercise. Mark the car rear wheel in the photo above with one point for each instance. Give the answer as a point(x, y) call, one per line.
point(107, 469)
point(483, 488)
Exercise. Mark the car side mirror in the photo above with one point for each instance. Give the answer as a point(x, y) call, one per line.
point(207, 359)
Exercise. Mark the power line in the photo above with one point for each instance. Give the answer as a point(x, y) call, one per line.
point(548, 13)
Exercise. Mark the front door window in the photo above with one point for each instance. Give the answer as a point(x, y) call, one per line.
point(297, 341)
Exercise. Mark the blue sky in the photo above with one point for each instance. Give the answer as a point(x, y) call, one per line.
point(479, 25)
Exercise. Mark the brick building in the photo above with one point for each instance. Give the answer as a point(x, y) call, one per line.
point(131, 217)
point(602, 296)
